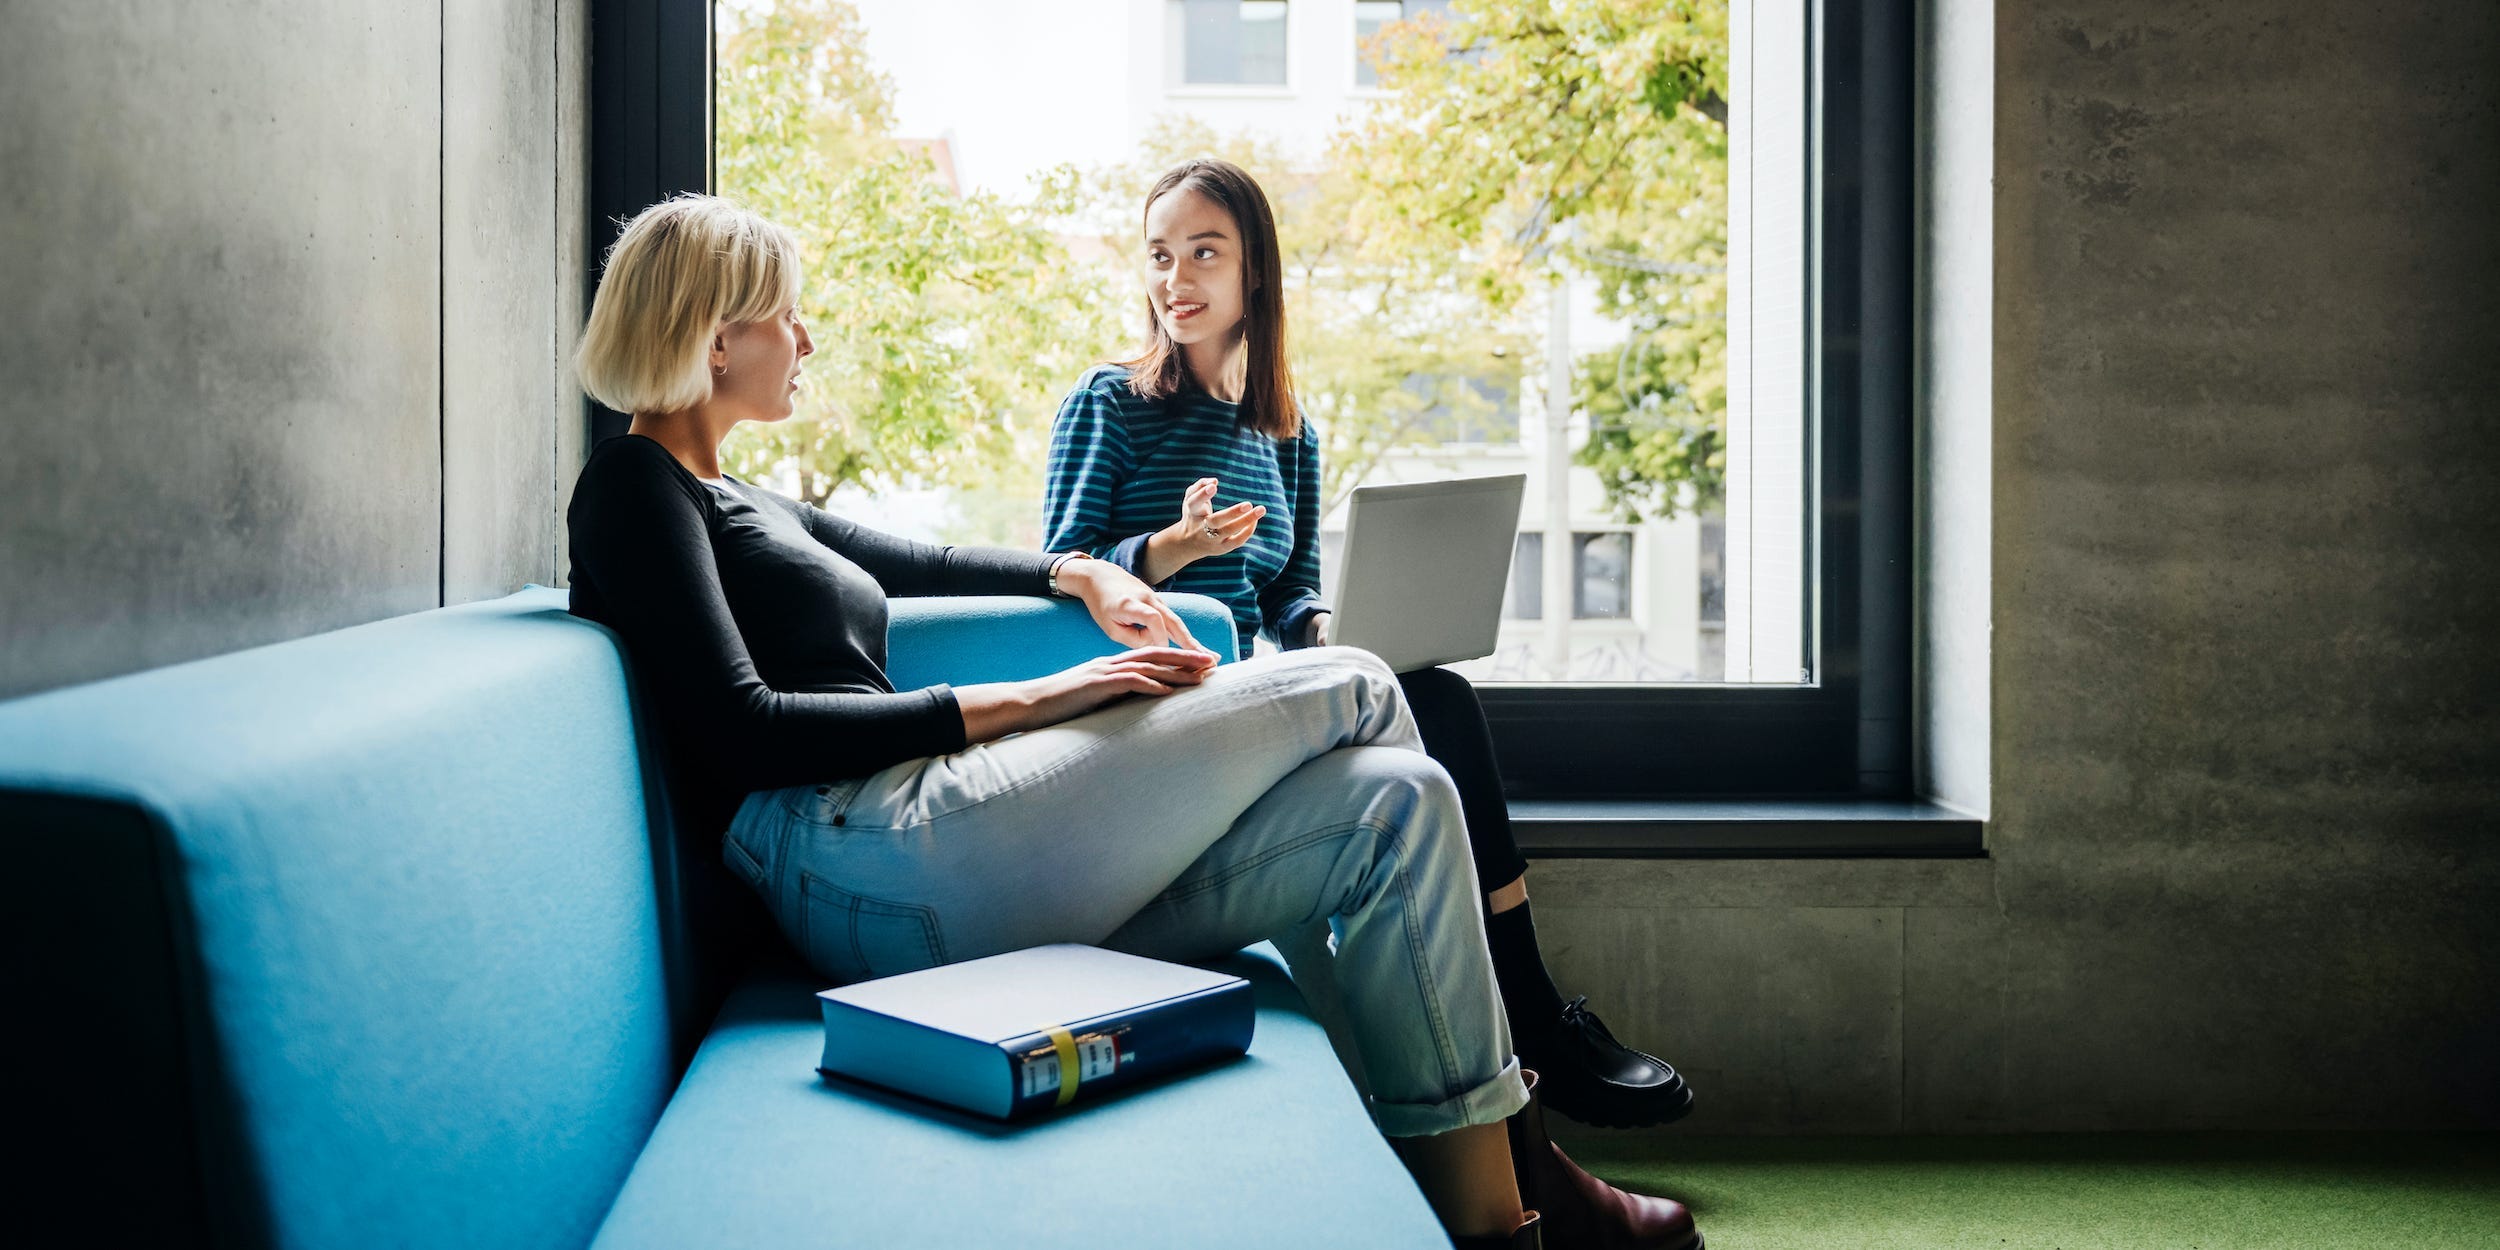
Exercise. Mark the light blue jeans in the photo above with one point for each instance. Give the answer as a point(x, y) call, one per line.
point(1288, 798)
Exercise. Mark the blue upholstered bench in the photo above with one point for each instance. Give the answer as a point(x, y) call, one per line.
point(379, 938)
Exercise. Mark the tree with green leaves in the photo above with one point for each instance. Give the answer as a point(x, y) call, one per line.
point(947, 324)
point(1589, 135)
point(944, 322)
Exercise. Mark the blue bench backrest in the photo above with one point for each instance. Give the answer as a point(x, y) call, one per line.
point(375, 938)
point(350, 940)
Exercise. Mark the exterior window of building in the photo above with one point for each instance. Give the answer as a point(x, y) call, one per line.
point(1371, 15)
point(1232, 42)
point(1525, 601)
point(1601, 576)
point(1711, 664)
point(1713, 564)
point(1480, 410)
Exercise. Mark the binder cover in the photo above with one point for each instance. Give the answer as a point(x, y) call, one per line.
point(1015, 1034)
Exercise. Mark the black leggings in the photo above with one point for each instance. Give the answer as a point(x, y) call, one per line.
point(1451, 720)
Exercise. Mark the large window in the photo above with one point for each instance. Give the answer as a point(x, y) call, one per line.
point(1370, 16)
point(1802, 579)
point(1601, 577)
point(1525, 598)
point(1691, 347)
point(1482, 410)
point(1232, 42)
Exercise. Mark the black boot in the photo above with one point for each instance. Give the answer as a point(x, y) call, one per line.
point(1592, 1078)
point(1524, 1237)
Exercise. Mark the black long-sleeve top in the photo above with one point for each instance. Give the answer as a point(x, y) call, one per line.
point(756, 625)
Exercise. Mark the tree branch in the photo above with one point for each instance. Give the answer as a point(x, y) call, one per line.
point(1713, 107)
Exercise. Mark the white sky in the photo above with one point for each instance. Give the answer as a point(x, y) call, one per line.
point(1017, 85)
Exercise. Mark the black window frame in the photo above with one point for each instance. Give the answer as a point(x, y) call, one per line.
point(650, 125)
point(1848, 734)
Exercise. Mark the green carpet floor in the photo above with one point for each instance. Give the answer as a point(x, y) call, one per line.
point(2100, 1192)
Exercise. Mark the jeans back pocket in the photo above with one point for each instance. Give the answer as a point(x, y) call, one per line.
point(852, 937)
point(753, 845)
point(748, 848)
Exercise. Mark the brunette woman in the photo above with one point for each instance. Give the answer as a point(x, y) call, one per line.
point(1192, 467)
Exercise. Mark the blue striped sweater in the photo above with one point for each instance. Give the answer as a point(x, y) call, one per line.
point(1119, 465)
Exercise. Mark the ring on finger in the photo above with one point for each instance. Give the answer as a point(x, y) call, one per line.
point(1210, 532)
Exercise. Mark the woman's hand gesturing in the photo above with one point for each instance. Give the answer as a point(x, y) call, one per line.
point(1212, 533)
point(1001, 708)
point(1201, 532)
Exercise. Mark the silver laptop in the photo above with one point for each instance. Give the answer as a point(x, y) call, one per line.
point(1424, 568)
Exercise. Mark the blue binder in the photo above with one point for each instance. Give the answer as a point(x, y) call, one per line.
point(1015, 1034)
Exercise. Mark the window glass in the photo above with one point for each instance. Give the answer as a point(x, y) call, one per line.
point(1601, 576)
point(1711, 655)
point(1477, 409)
point(1714, 572)
point(1370, 16)
point(1233, 42)
point(965, 179)
point(1525, 600)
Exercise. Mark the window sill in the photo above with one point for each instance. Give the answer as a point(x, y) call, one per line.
point(1744, 829)
point(1229, 91)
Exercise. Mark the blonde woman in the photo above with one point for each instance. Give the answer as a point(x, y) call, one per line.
point(1085, 806)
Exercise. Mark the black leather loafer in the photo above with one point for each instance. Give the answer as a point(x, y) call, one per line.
point(1592, 1078)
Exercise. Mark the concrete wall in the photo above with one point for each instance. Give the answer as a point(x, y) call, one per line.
point(288, 286)
point(2239, 736)
point(2247, 750)
point(1952, 373)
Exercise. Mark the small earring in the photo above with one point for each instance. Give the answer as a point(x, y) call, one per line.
point(720, 371)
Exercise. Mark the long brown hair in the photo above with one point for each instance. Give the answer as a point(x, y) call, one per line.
point(1161, 369)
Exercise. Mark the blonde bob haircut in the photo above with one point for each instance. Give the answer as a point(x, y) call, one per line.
point(682, 269)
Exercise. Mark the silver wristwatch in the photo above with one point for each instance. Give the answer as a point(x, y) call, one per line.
point(1061, 563)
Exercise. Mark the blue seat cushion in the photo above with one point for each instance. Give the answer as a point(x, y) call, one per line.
point(758, 1150)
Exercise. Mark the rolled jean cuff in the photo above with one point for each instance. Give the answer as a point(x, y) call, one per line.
point(1490, 1103)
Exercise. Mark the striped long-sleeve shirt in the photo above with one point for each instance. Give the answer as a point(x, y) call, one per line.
point(1119, 465)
